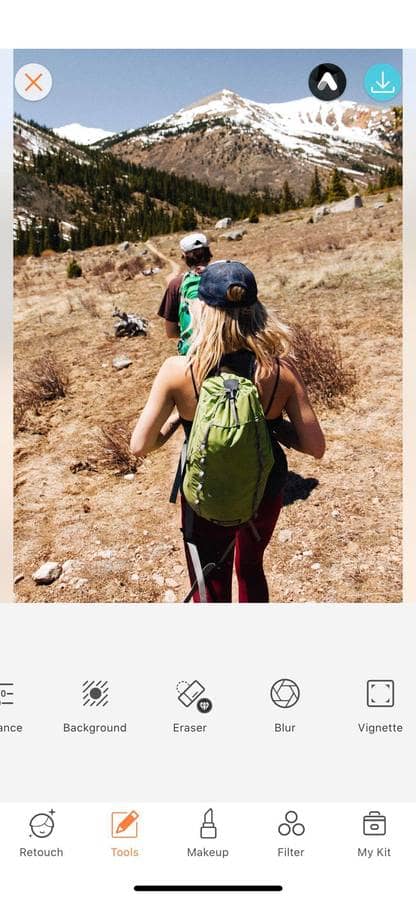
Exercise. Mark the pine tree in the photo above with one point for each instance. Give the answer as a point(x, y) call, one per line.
point(187, 217)
point(315, 194)
point(287, 200)
point(33, 244)
point(337, 189)
point(53, 236)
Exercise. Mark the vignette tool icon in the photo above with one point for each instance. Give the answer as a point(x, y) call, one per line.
point(124, 824)
point(380, 692)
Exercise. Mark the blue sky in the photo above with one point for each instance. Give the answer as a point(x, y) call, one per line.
point(121, 89)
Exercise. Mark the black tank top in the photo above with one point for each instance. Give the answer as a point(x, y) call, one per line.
point(243, 362)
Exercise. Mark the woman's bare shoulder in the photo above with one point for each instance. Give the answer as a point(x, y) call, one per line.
point(289, 372)
point(173, 366)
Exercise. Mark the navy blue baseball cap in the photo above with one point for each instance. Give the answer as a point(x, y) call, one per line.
point(219, 277)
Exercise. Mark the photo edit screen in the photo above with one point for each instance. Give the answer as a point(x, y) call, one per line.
point(211, 337)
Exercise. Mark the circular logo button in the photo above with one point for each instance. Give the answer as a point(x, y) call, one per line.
point(33, 82)
point(383, 83)
point(285, 693)
point(327, 81)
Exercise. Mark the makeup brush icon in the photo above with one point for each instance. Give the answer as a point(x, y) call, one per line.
point(208, 828)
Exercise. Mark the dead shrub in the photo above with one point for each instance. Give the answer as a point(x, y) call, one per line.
point(103, 267)
point(112, 449)
point(131, 267)
point(318, 357)
point(45, 380)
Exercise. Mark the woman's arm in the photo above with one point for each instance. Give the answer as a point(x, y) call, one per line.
point(149, 432)
point(309, 434)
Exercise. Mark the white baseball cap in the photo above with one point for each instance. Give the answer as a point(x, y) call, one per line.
point(193, 242)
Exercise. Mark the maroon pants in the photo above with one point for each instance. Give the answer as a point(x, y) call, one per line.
point(212, 541)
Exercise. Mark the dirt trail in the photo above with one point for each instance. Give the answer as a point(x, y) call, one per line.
point(174, 266)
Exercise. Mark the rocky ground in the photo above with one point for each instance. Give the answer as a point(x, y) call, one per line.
point(115, 537)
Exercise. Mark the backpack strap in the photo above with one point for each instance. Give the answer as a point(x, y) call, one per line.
point(180, 472)
point(194, 382)
point(273, 394)
point(202, 574)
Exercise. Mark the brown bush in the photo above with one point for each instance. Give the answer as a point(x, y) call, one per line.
point(113, 448)
point(132, 266)
point(318, 357)
point(45, 380)
point(103, 267)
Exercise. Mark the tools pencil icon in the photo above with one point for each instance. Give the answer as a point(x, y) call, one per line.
point(124, 825)
point(208, 827)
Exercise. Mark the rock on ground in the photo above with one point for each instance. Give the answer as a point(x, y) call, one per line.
point(47, 573)
point(121, 362)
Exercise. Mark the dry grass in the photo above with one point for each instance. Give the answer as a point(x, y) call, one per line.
point(320, 362)
point(46, 380)
point(90, 305)
point(112, 449)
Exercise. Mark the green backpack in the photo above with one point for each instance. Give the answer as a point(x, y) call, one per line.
point(229, 453)
point(188, 292)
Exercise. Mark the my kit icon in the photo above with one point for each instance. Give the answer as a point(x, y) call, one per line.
point(374, 824)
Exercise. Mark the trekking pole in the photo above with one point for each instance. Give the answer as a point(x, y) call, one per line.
point(209, 569)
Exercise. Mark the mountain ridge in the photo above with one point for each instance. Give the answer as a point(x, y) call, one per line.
point(226, 138)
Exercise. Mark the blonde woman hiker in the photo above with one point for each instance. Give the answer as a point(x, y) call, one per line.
point(229, 394)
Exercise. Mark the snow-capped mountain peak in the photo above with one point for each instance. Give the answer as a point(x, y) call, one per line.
point(291, 123)
point(82, 134)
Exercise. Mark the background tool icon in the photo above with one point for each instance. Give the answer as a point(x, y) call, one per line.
point(208, 827)
point(124, 825)
point(95, 693)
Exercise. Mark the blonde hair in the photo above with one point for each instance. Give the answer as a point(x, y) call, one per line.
point(219, 331)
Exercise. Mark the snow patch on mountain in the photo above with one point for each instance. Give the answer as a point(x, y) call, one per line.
point(29, 139)
point(82, 134)
point(297, 125)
